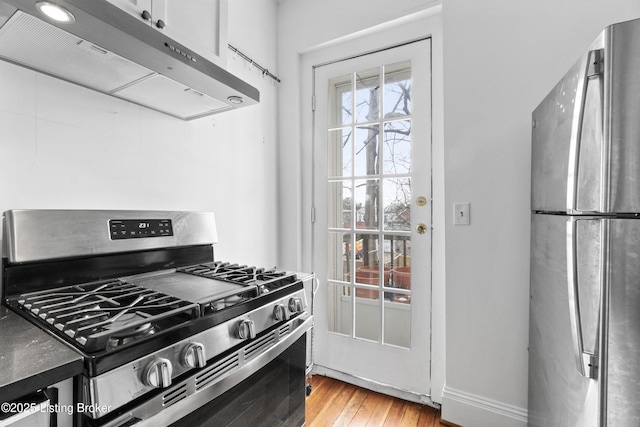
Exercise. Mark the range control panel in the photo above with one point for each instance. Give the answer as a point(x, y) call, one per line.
point(138, 228)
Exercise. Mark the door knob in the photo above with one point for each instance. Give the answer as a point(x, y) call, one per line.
point(421, 228)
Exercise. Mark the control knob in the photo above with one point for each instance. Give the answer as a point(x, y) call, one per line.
point(280, 312)
point(247, 329)
point(295, 305)
point(193, 356)
point(158, 373)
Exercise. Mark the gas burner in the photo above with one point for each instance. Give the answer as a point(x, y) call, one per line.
point(121, 325)
point(125, 336)
point(230, 301)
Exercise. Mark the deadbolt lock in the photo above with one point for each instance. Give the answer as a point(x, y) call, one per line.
point(421, 228)
point(421, 201)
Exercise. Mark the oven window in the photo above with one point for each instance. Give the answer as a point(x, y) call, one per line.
point(274, 395)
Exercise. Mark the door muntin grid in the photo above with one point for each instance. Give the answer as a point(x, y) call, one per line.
point(369, 204)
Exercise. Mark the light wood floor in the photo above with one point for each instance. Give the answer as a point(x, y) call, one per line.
point(334, 403)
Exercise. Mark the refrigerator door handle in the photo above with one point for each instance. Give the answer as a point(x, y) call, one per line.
point(585, 361)
point(591, 67)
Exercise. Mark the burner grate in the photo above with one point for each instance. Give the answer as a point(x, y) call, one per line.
point(266, 279)
point(105, 315)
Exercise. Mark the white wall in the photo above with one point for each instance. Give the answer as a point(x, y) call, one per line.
point(500, 59)
point(66, 147)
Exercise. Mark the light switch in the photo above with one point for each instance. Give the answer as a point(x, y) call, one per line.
point(461, 214)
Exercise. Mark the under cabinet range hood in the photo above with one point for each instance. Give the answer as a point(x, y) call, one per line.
point(105, 49)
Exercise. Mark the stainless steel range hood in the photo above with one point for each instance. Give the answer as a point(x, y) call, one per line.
point(107, 50)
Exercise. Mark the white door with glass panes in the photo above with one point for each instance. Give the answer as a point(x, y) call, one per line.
point(372, 227)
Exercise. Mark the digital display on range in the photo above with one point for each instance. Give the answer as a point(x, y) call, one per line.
point(138, 228)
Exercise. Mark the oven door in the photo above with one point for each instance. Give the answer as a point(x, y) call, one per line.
point(274, 395)
point(262, 383)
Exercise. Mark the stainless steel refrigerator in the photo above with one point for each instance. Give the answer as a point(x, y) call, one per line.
point(584, 333)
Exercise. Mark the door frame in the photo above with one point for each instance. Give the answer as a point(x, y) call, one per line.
point(426, 23)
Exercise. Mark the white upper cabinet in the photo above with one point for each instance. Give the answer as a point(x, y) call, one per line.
point(199, 25)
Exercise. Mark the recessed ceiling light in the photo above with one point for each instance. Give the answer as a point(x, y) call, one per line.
point(235, 99)
point(55, 12)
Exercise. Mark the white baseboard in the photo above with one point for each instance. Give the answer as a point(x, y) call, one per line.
point(469, 410)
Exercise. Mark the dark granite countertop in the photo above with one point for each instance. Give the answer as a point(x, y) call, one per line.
point(30, 358)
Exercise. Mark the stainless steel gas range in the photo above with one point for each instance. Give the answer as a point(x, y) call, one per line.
point(169, 335)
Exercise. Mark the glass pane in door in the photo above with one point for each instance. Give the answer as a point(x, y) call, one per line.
point(367, 259)
point(340, 309)
point(366, 203)
point(342, 97)
point(398, 258)
point(397, 90)
point(397, 203)
point(339, 204)
point(339, 255)
point(367, 316)
point(340, 152)
point(367, 95)
point(397, 147)
point(367, 149)
point(397, 321)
